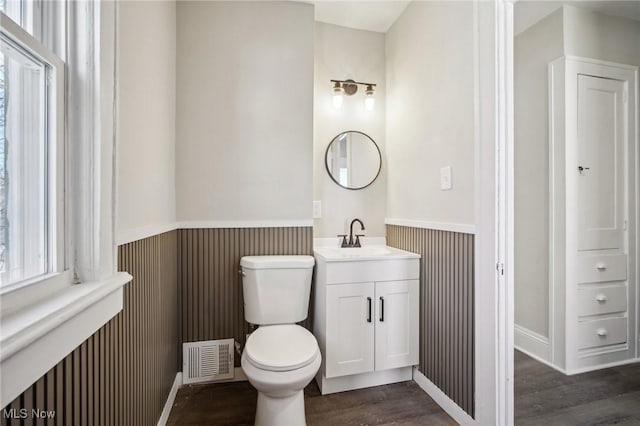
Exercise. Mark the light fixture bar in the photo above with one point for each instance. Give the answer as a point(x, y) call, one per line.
point(353, 82)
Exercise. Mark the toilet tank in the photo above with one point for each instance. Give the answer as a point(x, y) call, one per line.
point(276, 288)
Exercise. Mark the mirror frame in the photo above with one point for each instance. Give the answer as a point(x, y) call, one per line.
point(326, 166)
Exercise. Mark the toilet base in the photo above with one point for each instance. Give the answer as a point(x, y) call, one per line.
point(285, 411)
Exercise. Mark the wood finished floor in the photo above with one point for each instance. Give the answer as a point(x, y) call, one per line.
point(235, 404)
point(544, 396)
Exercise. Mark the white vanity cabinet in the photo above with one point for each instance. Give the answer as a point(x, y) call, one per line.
point(366, 318)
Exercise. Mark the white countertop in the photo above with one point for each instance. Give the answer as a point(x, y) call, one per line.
point(356, 254)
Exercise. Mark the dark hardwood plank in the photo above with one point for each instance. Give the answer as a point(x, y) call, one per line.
point(548, 397)
point(234, 404)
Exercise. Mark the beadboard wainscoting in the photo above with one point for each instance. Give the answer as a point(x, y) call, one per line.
point(123, 373)
point(210, 288)
point(446, 308)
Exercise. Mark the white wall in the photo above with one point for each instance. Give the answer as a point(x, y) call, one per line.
point(244, 111)
point(533, 50)
point(343, 53)
point(430, 112)
point(146, 57)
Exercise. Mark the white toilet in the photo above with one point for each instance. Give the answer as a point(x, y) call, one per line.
point(280, 358)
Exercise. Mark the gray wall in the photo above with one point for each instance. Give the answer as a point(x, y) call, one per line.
point(567, 31)
point(244, 126)
point(146, 84)
point(533, 50)
point(430, 112)
point(342, 53)
point(598, 36)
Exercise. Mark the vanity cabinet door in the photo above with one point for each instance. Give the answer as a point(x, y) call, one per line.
point(350, 329)
point(397, 331)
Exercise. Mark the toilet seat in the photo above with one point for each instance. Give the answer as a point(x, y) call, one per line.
point(281, 347)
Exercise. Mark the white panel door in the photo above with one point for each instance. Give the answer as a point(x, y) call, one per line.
point(601, 159)
point(397, 328)
point(350, 329)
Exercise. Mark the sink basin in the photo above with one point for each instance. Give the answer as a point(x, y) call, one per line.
point(362, 253)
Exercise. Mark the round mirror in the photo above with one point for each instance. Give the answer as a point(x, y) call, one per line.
point(353, 160)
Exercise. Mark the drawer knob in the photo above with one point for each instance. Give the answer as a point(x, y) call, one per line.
point(601, 298)
point(601, 266)
point(601, 332)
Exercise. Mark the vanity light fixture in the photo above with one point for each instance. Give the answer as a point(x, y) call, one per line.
point(349, 88)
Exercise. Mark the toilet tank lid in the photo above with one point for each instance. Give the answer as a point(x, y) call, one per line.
point(277, 262)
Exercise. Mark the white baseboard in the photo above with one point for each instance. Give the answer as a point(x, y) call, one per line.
point(533, 344)
point(170, 399)
point(601, 366)
point(238, 376)
point(542, 361)
point(446, 403)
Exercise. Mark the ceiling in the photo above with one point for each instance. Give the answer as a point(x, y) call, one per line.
point(528, 12)
point(367, 15)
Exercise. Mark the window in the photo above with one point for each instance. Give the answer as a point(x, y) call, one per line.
point(31, 158)
point(63, 217)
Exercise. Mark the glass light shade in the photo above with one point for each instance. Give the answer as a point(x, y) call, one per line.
point(338, 99)
point(369, 103)
point(338, 96)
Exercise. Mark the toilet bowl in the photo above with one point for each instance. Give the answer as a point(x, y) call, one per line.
point(280, 361)
point(280, 358)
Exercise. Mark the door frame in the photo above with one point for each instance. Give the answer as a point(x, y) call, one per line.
point(494, 212)
point(499, 109)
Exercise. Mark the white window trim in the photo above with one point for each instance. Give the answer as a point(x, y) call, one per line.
point(40, 325)
point(56, 184)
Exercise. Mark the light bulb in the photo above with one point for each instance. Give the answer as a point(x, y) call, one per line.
point(338, 96)
point(369, 101)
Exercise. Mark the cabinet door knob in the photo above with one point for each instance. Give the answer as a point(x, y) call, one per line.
point(601, 266)
point(601, 332)
point(369, 315)
point(601, 298)
point(381, 309)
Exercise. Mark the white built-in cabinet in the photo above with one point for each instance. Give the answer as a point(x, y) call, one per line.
point(593, 240)
point(366, 320)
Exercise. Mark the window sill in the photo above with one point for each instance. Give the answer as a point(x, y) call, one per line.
point(36, 338)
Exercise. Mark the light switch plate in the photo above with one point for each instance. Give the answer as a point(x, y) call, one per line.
point(445, 178)
point(317, 209)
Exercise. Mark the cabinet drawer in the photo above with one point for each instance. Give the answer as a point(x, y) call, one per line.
point(602, 300)
point(604, 332)
point(600, 268)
